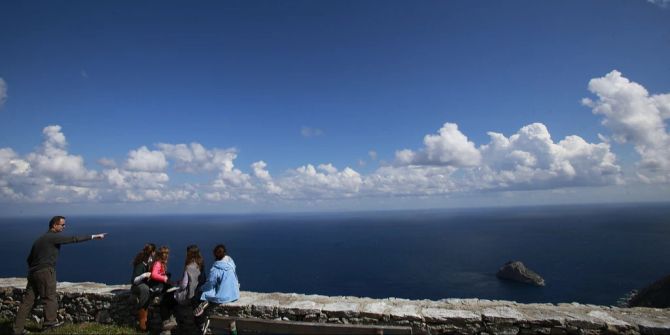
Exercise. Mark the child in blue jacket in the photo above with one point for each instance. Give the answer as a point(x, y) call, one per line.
point(222, 285)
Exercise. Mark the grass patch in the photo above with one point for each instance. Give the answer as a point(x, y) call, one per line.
point(71, 328)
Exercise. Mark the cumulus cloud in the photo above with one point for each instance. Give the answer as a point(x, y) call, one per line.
point(324, 181)
point(49, 174)
point(144, 159)
point(634, 116)
point(53, 160)
point(194, 157)
point(125, 179)
point(411, 180)
point(3, 92)
point(11, 164)
point(263, 175)
point(530, 159)
point(449, 147)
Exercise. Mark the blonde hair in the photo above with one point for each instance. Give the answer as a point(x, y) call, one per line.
point(162, 256)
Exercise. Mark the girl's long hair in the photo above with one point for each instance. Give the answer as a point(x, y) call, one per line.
point(193, 256)
point(145, 254)
point(162, 256)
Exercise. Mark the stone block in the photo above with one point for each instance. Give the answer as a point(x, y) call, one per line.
point(303, 307)
point(502, 314)
point(264, 308)
point(584, 322)
point(458, 316)
point(502, 330)
point(405, 312)
point(375, 310)
point(341, 309)
point(654, 328)
point(608, 319)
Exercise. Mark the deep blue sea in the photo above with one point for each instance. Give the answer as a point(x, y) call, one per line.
point(587, 254)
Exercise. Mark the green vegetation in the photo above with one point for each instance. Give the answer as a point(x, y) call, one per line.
point(71, 328)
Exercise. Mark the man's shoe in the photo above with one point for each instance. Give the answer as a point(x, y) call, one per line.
point(23, 332)
point(201, 308)
point(169, 324)
point(205, 327)
point(52, 325)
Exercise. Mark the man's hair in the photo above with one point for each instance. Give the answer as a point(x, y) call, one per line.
point(54, 220)
point(219, 252)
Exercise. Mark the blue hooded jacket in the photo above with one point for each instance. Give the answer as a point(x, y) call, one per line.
point(222, 285)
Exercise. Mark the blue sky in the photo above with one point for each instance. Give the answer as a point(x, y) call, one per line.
point(246, 106)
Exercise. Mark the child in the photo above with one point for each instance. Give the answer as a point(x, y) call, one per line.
point(188, 286)
point(222, 285)
point(139, 286)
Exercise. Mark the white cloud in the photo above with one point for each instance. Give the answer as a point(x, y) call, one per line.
point(194, 157)
point(49, 174)
point(233, 179)
point(635, 117)
point(373, 155)
point(11, 164)
point(156, 195)
point(324, 182)
point(260, 172)
point(310, 132)
point(144, 159)
point(411, 180)
point(661, 3)
point(530, 159)
point(52, 159)
point(450, 147)
point(3, 92)
point(124, 179)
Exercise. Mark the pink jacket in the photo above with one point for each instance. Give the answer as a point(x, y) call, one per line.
point(158, 272)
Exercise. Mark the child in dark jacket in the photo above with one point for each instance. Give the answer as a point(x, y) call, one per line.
point(139, 286)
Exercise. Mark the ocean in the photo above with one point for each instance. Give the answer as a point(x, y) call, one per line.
point(591, 254)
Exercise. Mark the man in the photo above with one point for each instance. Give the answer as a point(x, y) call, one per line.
point(42, 273)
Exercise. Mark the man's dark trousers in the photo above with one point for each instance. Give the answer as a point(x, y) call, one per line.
point(41, 283)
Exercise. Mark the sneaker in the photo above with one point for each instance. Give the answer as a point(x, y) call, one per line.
point(23, 332)
point(52, 325)
point(169, 324)
point(201, 308)
point(205, 327)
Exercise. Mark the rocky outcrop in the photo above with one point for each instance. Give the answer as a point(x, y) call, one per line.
point(517, 271)
point(655, 295)
point(110, 304)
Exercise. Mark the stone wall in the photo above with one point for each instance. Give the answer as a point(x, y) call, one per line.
point(80, 302)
